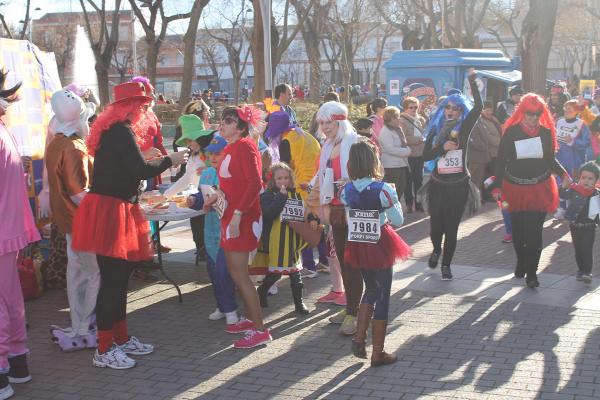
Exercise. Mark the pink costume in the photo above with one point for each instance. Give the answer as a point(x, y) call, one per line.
point(16, 232)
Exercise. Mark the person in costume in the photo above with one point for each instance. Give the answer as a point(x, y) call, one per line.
point(526, 160)
point(280, 246)
point(69, 170)
point(574, 140)
point(450, 190)
point(582, 213)
point(223, 286)
point(325, 200)
point(374, 260)
point(119, 168)
point(241, 224)
point(16, 232)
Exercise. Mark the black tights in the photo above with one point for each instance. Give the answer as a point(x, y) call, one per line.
point(111, 305)
point(527, 240)
point(270, 279)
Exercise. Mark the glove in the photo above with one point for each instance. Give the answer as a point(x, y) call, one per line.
point(44, 204)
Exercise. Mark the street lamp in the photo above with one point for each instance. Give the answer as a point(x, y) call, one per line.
point(30, 23)
point(265, 10)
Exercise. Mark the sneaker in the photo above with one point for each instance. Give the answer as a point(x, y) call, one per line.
point(323, 268)
point(307, 273)
point(242, 325)
point(341, 300)
point(18, 373)
point(6, 390)
point(136, 348)
point(507, 238)
point(560, 213)
point(338, 318)
point(253, 338)
point(348, 327)
point(579, 276)
point(446, 273)
point(114, 358)
point(586, 278)
point(216, 315)
point(273, 290)
point(434, 259)
point(330, 297)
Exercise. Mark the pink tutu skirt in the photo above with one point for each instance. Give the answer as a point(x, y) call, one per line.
point(381, 255)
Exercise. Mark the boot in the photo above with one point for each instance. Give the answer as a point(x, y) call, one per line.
point(297, 295)
point(262, 295)
point(380, 357)
point(365, 312)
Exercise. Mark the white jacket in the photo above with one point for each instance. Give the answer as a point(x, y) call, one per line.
point(191, 177)
point(394, 153)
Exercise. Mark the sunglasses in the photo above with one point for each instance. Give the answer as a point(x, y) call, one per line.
point(228, 120)
point(533, 114)
point(453, 108)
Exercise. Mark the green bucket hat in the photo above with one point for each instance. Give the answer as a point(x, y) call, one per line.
point(192, 128)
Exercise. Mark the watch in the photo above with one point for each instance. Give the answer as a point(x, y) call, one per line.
point(237, 212)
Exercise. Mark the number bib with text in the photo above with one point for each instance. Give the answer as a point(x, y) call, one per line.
point(363, 226)
point(220, 206)
point(451, 163)
point(293, 211)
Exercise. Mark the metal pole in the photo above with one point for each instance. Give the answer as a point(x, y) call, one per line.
point(265, 9)
point(135, 62)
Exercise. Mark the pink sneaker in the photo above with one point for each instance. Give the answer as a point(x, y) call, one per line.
point(242, 325)
point(253, 338)
point(341, 300)
point(507, 239)
point(330, 297)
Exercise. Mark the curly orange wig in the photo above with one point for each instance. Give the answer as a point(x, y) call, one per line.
point(532, 102)
point(114, 113)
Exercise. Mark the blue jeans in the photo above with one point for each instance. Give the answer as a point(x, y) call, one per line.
point(308, 259)
point(223, 286)
point(507, 222)
point(378, 286)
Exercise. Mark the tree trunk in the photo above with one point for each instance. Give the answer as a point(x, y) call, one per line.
point(257, 46)
point(236, 87)
point(311, 43)
point(152, 49)
point(189, 52)
point(103, 89)
point(538, 32)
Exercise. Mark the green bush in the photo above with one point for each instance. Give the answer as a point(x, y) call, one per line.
point(305, 111)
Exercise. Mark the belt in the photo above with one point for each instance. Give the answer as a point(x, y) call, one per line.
point(526, 181)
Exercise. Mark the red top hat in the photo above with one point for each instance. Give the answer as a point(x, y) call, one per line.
point(130, 91)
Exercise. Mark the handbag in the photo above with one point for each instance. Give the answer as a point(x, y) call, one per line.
point(310, 236)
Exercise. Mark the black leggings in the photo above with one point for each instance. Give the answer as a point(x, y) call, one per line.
point(583, 241)
point(111, 305)
point(527, 239)
point(446, 206)
point(415, 179)
point(270, 279)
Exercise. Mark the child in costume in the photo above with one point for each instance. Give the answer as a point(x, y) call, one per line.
point(280, 246)
point(374, 256)
point(16, 232)
point(69, 170)
point(582, 213)
point(223, 286)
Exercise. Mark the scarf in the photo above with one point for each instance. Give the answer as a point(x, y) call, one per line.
point(444, 134)
point(582, 190)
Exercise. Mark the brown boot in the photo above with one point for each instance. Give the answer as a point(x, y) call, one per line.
point(380, 357)
point(365, 312)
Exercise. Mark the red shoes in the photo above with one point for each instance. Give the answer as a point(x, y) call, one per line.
point(253, 338)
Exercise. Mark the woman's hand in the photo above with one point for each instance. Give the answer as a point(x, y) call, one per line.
point(450, 145)
point(151, 153)
point(180, 157)
point(234, 226)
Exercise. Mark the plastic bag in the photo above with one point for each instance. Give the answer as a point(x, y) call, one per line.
point(327, 188)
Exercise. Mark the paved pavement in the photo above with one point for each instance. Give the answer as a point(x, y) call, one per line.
point(481, 336)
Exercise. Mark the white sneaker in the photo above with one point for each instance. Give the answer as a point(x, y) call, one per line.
point(6, 392)
point(114, 358)
point(273, 290)
point(231, 318)
point(306, 273)
point(136, 348)
point(560, 213)
point(216, 315)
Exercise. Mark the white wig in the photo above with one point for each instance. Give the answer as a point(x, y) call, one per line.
point(336, 111)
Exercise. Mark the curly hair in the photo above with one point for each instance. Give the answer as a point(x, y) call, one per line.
point(114, 113)
point(532, 102)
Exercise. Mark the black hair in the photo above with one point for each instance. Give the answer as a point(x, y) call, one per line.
point(363, 123)
point(10, 95)
point(281, 88)
point(331, 96)
point(591, 167)
point(204, 141)
point(231, 111)
point(376, 104)
point(363, 161)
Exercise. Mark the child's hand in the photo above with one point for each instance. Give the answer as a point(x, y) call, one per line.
point(212, 199)
point(190, 201)
point(283, 189)
point(314, 225)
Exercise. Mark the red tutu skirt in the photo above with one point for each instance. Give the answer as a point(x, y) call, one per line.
point(381, 255)
point(111, 227)
point(542, 197)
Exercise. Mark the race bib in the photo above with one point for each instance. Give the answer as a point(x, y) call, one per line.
point(567, 133)
point(293, 211)
point(220, 205)
point(363, 226)
point(594, 208)
point(451, 163)
point(529, 148)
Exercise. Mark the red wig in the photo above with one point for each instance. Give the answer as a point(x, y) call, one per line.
point(532, 102)
point(114, 113)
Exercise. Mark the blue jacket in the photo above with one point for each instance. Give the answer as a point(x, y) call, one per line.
point(212, 223)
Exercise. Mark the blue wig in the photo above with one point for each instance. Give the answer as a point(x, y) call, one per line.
point(437, 120)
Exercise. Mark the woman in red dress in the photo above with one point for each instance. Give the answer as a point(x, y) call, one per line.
point(241, 225)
